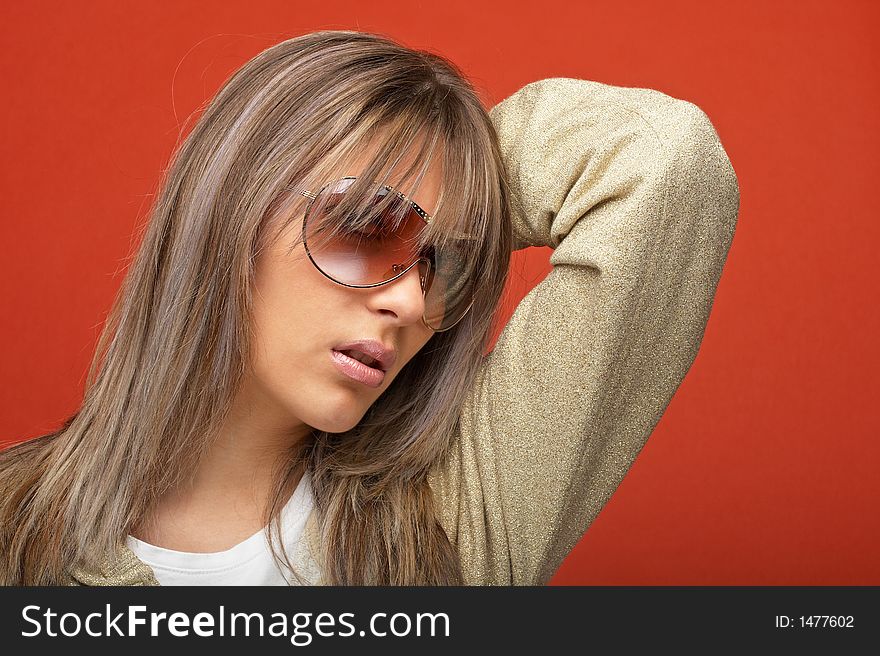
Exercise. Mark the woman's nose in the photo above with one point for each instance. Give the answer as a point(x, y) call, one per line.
point(403, 297)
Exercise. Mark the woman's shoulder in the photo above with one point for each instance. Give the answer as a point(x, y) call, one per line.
point(21, 468)
point(26, 446)
point(120, 568)
point(31, 450)
point(20, 462)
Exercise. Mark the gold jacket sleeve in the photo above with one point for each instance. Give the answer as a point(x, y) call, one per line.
point(637, 197)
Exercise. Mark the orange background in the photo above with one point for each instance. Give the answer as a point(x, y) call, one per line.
point(764, 468)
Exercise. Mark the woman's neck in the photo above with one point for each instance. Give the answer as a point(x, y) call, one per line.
point(225, 500)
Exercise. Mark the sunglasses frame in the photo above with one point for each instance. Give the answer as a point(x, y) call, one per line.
point(422, 213)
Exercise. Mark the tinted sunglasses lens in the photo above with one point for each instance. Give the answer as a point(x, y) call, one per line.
point(359, 253)
point(450, 289)
point(354, 254)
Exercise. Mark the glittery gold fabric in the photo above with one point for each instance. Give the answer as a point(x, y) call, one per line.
point(636, 195)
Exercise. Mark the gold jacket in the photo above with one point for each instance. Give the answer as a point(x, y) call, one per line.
point(637, 197)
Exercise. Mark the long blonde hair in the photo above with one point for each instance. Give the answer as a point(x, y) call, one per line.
point(176, 342)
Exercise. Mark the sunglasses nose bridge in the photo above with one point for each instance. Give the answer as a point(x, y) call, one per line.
point(424, 271)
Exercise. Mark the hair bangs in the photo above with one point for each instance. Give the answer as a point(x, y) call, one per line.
point(465, 220)
point(318, 191)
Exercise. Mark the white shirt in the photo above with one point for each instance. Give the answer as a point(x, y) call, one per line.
point(247, 563)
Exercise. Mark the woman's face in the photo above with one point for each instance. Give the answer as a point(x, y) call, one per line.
point(300, 316)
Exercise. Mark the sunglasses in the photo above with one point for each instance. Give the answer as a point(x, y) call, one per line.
point(359, 253)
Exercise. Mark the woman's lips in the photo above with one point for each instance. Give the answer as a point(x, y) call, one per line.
point(358, 371)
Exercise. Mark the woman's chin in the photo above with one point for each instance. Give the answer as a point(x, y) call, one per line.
point(336, 425)
point(335, 419)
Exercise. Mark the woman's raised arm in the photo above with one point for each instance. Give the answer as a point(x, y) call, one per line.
point(637, 197)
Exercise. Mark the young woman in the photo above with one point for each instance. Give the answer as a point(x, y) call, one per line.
point(292, 386)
